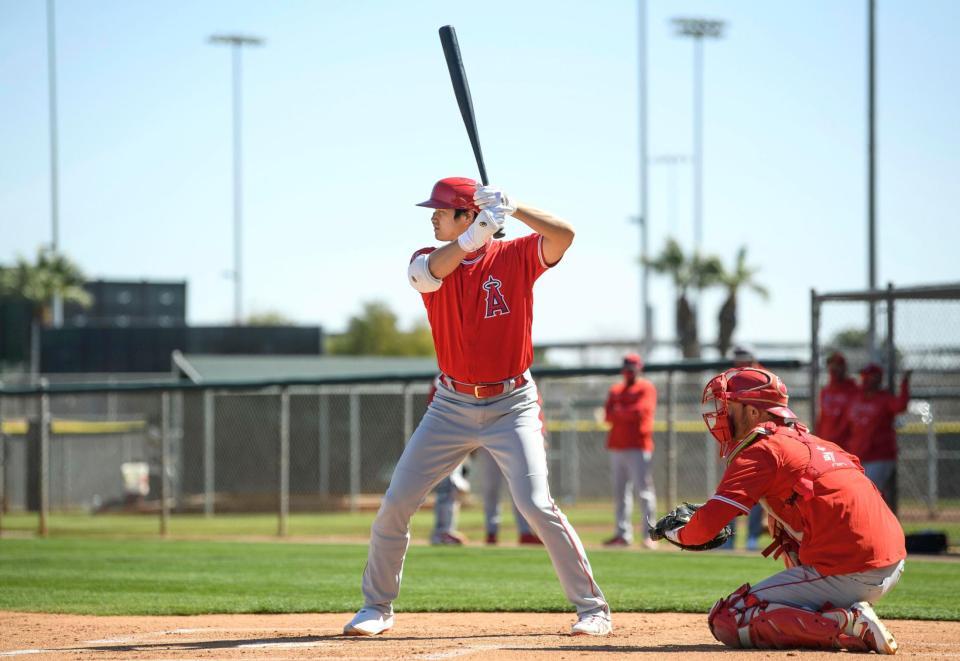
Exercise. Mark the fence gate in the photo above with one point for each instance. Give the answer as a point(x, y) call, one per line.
point(912, 328)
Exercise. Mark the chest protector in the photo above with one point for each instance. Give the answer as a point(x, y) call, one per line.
point(823, 458)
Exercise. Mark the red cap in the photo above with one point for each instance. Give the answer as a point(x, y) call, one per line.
point(871, 368)
point(836, 357)
point(452, 193)
point(632, 361)
point(760, 388)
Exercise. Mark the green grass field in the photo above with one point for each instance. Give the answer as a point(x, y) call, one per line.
point(110, 577)
point(116, 565)
point(593, 522)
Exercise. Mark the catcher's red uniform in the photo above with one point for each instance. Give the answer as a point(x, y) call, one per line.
point(630, 410)
point(870, 418)
point(835, 400)
point(845, 525)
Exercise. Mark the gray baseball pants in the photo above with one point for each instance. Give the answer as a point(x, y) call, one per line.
point(632, 474)
point(509, 427)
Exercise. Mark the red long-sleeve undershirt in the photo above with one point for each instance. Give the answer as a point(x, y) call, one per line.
point(707, 522)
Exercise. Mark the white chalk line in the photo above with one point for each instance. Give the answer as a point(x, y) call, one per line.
point(153, 636)
point(462, 651)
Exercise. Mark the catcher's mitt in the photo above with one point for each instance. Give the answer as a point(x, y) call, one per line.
point(679, 517)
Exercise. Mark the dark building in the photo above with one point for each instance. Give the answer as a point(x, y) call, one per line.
point(134, 326)
point(124, 304)
point(14, 332)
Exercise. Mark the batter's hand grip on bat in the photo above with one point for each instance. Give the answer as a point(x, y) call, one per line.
point(451, 51)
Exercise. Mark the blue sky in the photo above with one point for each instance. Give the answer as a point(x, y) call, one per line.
point(349, 119)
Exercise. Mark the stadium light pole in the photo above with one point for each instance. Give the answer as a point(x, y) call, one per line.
point(646, 325)
point(236, 43)
point(54, 156)
point(871, 178)
point(698, 29)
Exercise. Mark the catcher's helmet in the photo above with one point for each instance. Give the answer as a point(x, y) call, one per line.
point(452, 193)
point(745, 385)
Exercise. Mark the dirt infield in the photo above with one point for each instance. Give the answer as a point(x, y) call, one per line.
point(417, 636)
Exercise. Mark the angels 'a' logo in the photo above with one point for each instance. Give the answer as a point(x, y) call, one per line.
point(496, 303)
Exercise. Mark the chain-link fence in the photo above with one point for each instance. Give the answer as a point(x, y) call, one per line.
point(282, 447)
point(916, 329)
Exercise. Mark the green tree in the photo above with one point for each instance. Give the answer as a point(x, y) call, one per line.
point(687, 273)
point(374, 332)
point(53, 274)
point(269, 318)
point(734, 280)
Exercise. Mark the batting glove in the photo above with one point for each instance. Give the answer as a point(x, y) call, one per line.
point(485, 225)
point(489, 197)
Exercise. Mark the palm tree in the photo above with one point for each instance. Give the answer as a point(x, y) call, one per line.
point(696, 273)
point(53, 274)
point(741, 276)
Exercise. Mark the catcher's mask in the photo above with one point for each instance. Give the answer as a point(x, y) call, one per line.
point(745, 385)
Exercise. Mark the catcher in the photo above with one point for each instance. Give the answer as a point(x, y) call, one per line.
point(842, 546)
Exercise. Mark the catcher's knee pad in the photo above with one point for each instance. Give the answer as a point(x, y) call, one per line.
point(726, 617)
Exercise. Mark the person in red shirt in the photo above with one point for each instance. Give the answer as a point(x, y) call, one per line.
point(841, 544)
point(629, 410)
point(871, 426)
point(478, 293)
point(835, 400)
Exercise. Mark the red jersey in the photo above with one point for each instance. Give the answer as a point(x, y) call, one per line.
point(482, 315)
point(630, 410)
point(871, 420)
point(835, 399)
point(844, 525)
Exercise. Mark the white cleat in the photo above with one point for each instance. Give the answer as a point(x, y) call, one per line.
point(595, 624)
point(368, 622)
point(868, 628)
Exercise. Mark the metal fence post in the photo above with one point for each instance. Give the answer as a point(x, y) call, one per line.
point(407, 412)
point(164, 463)
point(284, 461)
point(671, 438)
point(814, 354)
point(933, 459)
point(354, 450)
point(891, 382)
point(209, 457)
point(575, 457)
point(891, 344)
point(44, 462)
point(323, 441)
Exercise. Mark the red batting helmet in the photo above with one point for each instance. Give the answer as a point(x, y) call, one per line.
point(745, 385)
point(452, 193)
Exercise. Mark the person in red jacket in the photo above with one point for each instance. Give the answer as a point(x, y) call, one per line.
point(835, 400)
point(629, 410)
point(842, 546)
point(871, 420)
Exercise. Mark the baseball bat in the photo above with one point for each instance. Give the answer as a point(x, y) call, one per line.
point(451, 51)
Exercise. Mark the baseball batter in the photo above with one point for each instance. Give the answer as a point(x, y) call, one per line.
point(843, 547)
point(478, 292)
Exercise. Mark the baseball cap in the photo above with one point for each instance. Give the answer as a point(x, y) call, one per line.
point(760, 388)
point(871, 368)
point(632, 361)
point(836, 357)
point(452, 193)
